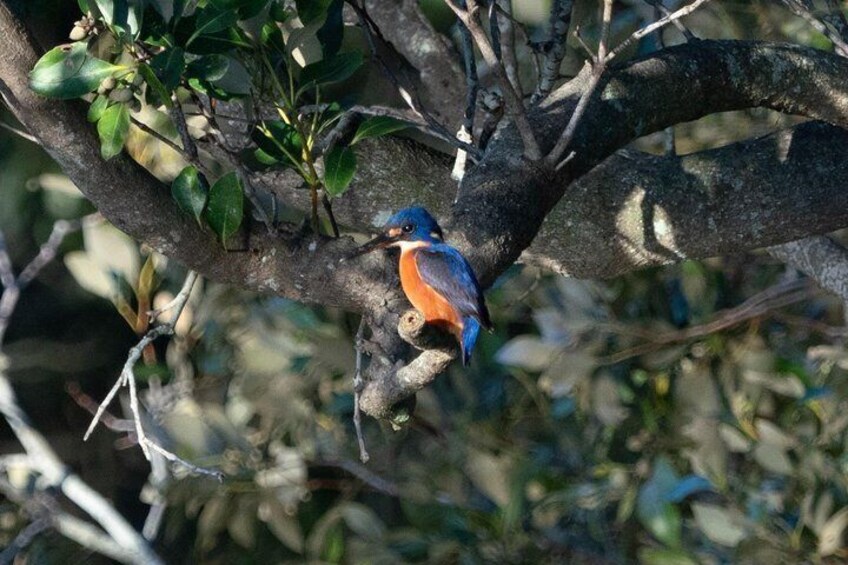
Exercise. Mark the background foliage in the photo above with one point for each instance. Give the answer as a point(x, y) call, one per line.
point(693, 414)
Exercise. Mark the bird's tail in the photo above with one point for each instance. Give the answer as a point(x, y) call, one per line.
point(470, 331)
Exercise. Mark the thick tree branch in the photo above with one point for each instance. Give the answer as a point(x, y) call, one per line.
point(821, 258)
point(504, 200)
point(636, 210)
point(411, 33)
point(132, 199)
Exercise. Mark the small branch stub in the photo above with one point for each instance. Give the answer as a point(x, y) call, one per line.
point(415, 330)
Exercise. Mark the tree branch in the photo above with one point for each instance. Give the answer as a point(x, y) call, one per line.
point(514, 103)
point(636, 210)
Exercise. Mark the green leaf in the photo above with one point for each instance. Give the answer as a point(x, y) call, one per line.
point(209, 67)
point(156, 86)
point(377, 126)
point(279, 141)
point(169, 66)
point(98, 106)
point(189, 191)
point(335, 69)
point(112, 128)
point(67, 72)
point(226, 206)
point(122, 14)
point(339, 168)
point(310, 10)
point(211, 20)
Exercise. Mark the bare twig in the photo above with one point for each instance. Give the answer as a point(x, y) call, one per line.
point(466, 131)
point(598, 66)
point(502, 14)
point(802, 9)
point(189, 146)
point(660, 7)
point(179, 300)
point(780, 295)
point(23, 539)
point(648, 29)
point(12, 287)
point(127, 379)
point(131, 546)
point(379, 47)
point(358, 384)
point(20, 133)
point(555, 48)
point(155, 134)
point(514, 103)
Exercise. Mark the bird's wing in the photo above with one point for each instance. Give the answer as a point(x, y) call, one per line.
point(448, 273)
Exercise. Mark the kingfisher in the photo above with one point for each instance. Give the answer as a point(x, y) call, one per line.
point(435, 277)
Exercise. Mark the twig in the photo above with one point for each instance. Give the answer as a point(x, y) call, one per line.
point(407, 93)
point(12, 286)
point(179, 300)
point(466, 131)
point(23, 539)
point(328, 208)
point(127, 378)
point(556, 48)
point(598, 66)
point(660, 6)
point(802, 9)
point(648, 29)
point(358, 384)
point(514, 103)
point(501, 13)
point(778, 296)
point(20, 133)
point(130, 545)
point(364, 474)
point(189, 146)
point(155, 134)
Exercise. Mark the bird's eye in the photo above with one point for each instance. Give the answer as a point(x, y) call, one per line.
point(408, 228)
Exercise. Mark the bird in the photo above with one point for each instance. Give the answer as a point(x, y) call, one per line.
point(437, 280)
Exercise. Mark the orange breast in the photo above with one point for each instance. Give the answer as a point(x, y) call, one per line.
point(424, 298)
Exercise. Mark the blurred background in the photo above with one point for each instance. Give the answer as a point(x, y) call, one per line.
point(690, 414)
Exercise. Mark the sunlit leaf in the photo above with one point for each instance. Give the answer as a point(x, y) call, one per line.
point(69, 72)
point(718, 524)
point(528, 352)
point(377, 126)
point(98, 106)
point(339, 168)
point(113, 128)
point(225, 209)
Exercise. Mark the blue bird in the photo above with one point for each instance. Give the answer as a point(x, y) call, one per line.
point(435, 277)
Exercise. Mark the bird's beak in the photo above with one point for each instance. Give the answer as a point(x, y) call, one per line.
point(380, 242)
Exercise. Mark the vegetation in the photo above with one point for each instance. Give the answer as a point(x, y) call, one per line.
point(685, 410)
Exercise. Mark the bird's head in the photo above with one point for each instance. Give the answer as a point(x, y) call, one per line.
point(409, 227)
